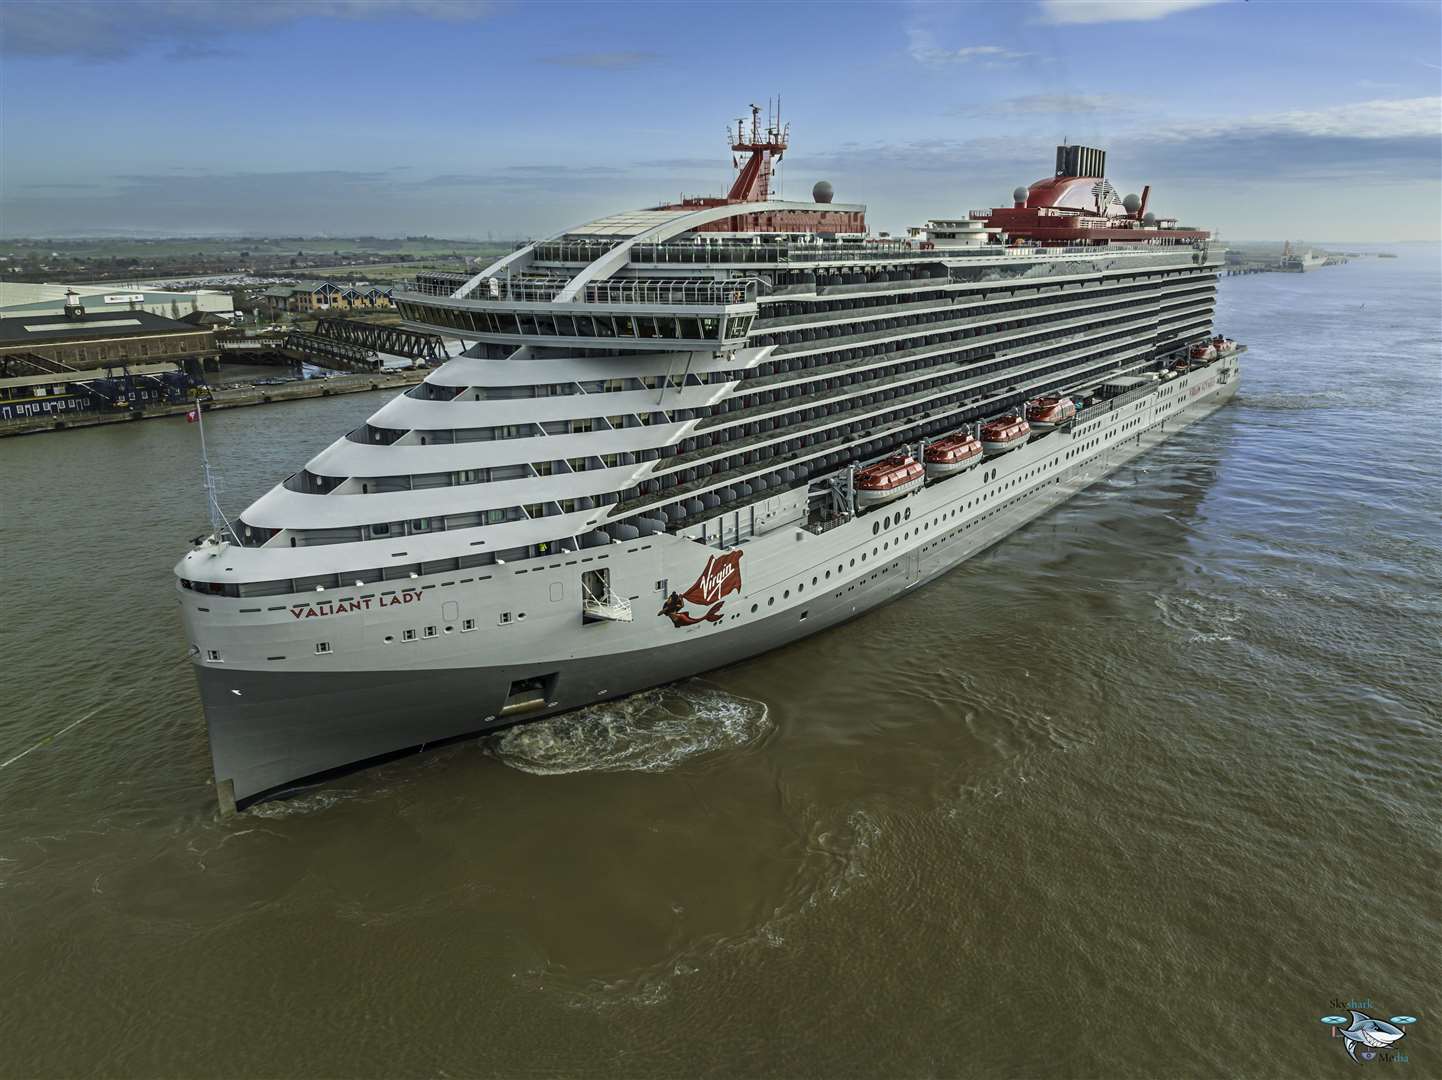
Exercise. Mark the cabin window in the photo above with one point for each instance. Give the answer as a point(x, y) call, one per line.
point(468, 625)
point(408, 635)
point(213, 655)
point(504, 618)
point(322, 647)
point(430, 631)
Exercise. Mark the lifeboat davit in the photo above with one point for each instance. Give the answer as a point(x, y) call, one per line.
point(1203, 351)
point(1181, 367)
point(888, 479)
point(1004, 433)
point(1224, 346)
point(1049, 410)
point(952, 454)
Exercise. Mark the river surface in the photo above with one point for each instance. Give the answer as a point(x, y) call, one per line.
point(1137, 793)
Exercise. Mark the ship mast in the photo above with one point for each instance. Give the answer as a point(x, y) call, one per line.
point(765, 147)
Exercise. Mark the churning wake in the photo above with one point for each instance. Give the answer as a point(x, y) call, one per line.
point(648, 732)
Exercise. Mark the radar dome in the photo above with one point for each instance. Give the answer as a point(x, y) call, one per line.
point(822, 191)
point(1132, 203)
point(1150, 219)
point(1019, 195)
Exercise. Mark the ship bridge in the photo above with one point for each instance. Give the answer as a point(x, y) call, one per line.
point(593, 286)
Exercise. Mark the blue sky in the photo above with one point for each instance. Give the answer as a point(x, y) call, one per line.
point(1265, 120)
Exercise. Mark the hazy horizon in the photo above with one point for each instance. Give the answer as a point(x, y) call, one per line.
point(409, 117)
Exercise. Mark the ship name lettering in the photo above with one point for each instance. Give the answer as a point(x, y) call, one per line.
point(345, 607)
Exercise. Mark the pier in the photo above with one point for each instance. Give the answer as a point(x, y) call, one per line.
point(232, 398)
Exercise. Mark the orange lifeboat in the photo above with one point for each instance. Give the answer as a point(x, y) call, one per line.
point(1004, 433)
point(888, 479)
point(1049, 410)
point(1224, 346)
point(1203, 351)
point(951, 454)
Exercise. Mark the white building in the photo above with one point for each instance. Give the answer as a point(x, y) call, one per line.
point(30, 298)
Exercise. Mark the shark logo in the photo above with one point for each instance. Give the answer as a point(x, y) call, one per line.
point(1365, 1035)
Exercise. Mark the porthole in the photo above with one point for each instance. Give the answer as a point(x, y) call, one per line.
point(907, 515)
point(786, 595)
point(770, 600)
point(753, 609)
point(875, 527)
point(886, 522)
point(814, 580)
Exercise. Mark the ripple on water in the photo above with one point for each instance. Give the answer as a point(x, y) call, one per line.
point(1198, 619)
point(838, 854)
point(647, 732)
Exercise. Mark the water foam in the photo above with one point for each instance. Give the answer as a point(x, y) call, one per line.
point(1201, 621)
point(648, 732)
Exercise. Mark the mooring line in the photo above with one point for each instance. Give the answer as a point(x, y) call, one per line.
point(51, 738)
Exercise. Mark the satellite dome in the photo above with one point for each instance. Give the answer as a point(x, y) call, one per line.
point(1019, 195)
point(822, 191)
point(1132, 203)
point(1150, 219)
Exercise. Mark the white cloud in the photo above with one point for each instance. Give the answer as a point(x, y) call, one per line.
point(108, 30)
point(602, 61)
point(1101, 11)
point(1395, 118)
point(924, 50)
point(1045, 105)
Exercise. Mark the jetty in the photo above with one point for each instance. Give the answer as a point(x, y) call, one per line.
point(214, 400)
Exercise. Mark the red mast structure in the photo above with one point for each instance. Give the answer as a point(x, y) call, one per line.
point(764, 147)
point(753, 182)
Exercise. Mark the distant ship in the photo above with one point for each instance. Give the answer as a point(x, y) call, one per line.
point(682, 436)
point(1298, 262)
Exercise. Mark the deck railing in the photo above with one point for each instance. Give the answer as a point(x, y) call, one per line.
point(650, 291)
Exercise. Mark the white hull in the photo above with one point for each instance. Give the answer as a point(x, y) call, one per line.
point(374, 692)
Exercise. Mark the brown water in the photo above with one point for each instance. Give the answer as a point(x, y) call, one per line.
point(1137, 793)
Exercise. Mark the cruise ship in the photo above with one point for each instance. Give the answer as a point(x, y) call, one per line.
point(684, 435)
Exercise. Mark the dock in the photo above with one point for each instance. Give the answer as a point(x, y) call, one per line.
point(229, 398)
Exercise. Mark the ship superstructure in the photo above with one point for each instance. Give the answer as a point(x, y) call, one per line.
point(645, 463)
